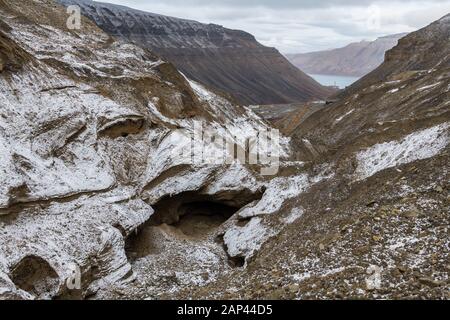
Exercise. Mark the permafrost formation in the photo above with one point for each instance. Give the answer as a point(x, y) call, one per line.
point(96, 201)
point(88, 132)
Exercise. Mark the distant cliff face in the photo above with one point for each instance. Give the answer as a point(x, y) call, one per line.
point(409, 89)
point(424, 49)
point(227, 60)
point(356, 59)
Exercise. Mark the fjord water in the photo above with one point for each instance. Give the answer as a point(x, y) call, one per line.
point(332, 80)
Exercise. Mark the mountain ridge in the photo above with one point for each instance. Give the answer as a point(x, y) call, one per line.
point(227, 60)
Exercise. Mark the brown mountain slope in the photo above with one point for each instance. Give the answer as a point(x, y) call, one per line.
point(231, 61)
point(409, 87)
point(96, 183)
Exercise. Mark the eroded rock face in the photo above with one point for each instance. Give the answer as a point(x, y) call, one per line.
point(89, 130)
point(377, 228)
point(11, 56)
point(34, 275)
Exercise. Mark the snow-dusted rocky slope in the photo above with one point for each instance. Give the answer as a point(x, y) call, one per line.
point(90, 133)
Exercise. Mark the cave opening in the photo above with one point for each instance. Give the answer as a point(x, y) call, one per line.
point(198, 218)
point(35, 276)
point(192, 216)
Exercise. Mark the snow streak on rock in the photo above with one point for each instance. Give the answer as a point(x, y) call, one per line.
point(416, 146)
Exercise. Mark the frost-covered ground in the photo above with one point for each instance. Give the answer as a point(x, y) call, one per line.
point(377, 226)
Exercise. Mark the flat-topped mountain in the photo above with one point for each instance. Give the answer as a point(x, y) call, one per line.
point(230, 61)
point(356, 59)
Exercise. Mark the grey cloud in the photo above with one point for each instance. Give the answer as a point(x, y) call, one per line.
point(302, 25)
point(277, 4)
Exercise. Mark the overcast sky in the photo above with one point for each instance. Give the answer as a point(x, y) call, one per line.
point(295, 26)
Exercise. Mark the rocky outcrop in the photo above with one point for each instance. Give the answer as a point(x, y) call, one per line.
point(106, 191)
point(356, 59)
point(11, 57)
point(230, 61)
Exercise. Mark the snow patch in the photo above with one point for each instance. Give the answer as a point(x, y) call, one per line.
point(429, 87)
point(293, 216)
point(245, 241)
point(420, 145)
point(345, 115)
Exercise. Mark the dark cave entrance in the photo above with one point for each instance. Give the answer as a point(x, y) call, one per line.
point(35, 276)
point(193, 214)
point(190, 215)
point(198, 218)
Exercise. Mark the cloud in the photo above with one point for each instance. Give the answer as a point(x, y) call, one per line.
point(304, 25)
